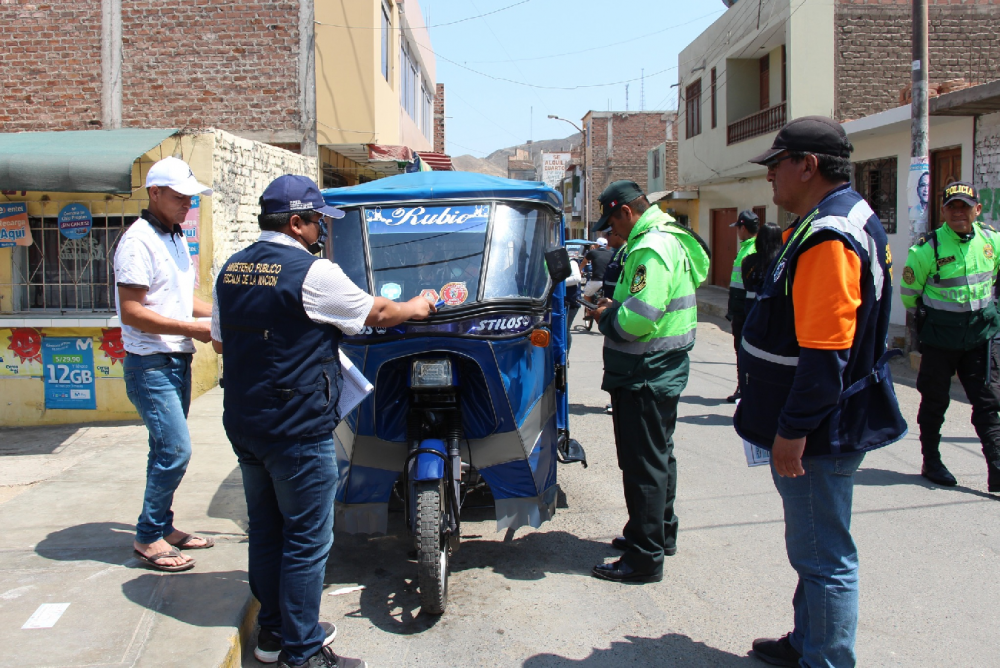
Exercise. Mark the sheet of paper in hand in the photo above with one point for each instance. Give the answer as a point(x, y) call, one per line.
point(756, 456)
point(356, 387)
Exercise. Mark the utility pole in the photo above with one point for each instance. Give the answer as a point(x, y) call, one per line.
point(919, 149)
point(919, 123)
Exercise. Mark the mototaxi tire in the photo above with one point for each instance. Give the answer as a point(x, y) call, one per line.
point(432, 547)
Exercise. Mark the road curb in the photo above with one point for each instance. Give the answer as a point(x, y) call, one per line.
point(241, 635)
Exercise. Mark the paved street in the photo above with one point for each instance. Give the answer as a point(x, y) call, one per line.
point(928, 555)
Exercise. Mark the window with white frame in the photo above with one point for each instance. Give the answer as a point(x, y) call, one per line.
point(426, 110)
point(386, 28)
point(409, 76)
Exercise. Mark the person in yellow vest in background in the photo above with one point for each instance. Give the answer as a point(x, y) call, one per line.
point(746, 231)
point(948, 283)
point(649, 327)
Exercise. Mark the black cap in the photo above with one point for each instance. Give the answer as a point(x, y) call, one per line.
point(809, 134)
point(613, 197)
point(747, 219)
point(961, 190)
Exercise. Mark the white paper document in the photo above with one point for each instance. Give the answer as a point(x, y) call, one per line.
point(46, 616)
point(356, 387)
point(756, 456)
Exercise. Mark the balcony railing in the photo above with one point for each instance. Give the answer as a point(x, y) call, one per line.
point(754, 125)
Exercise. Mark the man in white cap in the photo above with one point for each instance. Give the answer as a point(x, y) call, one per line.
point(157, 309)
point(598, 257)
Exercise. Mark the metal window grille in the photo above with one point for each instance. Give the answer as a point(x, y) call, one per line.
point(60, 275)
point(875, 180)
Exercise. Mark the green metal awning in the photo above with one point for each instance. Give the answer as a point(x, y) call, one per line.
point(88, 161)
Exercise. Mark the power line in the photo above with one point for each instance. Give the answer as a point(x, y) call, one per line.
point(631, 40)
point(438, 25)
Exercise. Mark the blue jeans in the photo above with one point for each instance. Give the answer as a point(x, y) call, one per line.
point(822, 551)
point(289, 487)
point(159, 386)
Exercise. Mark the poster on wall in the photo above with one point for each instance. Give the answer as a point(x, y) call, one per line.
point(21, 350)
point(75, 221)
point(68, 372)
point(918, 188)
point(14, 230)
point(192, 231)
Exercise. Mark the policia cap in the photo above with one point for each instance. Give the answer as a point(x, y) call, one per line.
point(962, 191)
point(612, 199)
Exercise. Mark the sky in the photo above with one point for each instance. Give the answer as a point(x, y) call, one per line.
point(575, 44)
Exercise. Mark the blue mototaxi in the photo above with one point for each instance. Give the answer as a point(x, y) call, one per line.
point(476, 395)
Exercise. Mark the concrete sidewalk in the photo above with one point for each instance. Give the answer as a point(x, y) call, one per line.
point(69, 498)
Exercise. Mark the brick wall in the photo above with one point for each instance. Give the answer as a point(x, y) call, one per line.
point(874, 49)
point(50, 78)
point(439, 144)
point(632, 136)
point(186, 64)
point(241, 170)
point(986, 175)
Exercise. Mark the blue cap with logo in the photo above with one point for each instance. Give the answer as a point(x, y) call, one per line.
point(293, 194)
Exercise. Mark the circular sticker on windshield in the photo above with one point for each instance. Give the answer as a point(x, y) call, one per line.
point(391, 291)
point(430, 294)
point(454, 294)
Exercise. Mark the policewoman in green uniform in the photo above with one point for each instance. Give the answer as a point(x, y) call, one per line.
point(948, 283)
point(746, 231)
point(649, 327)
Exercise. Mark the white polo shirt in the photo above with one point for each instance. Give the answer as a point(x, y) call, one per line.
point(149, 258)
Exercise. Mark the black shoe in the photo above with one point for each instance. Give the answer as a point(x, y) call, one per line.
point(325, 658)
point(268, 647)
point(776, 651)
point(607, 409)
point(938, 473)
point(619, 571)
point(735, 396)
point(620, 543)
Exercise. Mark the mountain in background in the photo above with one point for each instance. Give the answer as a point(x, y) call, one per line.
point(495, 164)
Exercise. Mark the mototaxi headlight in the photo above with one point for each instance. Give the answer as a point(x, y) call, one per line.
point(431, 373)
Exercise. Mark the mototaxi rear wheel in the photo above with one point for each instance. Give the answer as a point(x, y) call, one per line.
point(432, 547)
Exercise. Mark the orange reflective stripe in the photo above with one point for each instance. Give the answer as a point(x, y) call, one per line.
point(826, 294)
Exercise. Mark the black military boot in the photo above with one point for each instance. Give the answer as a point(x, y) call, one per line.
point(933, 468)
point(992, 454)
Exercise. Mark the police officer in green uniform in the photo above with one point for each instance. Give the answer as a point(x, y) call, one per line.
point(649, 327)
point(948, 283)
point(746, 231)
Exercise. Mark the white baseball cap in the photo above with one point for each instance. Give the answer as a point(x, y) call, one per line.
point(602, 242)
point(175, 174)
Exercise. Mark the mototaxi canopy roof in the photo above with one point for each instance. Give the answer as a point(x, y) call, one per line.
point(441, 186)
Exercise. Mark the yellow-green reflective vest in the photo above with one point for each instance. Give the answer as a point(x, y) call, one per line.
point(655, 311)
point(747, 247)
point(954, 280)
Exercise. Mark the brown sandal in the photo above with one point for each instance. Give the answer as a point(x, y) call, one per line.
point(182, 544)
point(153, 561)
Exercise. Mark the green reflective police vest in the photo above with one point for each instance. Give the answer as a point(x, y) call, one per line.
point(954, 280)
point(737, 292)
point(747, 247)
point(652, 323)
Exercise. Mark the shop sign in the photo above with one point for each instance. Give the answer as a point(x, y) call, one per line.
point(192, 234)
point(68, 373)
point(14, 230)
point(75, 221)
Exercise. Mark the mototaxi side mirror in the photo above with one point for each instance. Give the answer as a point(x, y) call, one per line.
point(557, 262)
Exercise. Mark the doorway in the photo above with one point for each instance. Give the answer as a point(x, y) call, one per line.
point(723, 245)
point(946, 166)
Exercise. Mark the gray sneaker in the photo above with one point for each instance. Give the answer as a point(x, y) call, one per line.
point(325, 658)
point(268, 647)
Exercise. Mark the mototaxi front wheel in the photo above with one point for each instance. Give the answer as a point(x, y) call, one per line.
point(432, 547)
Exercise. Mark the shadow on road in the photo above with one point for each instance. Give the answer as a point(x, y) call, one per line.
point(108, 542)
point(198, 599)
point(884, 478)
point(705, 401)
point(229, 502)
point(710, 420)
point(583, 409)
point(671, 649)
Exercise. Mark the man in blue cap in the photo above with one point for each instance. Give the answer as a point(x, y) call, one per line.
point(278, 317)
